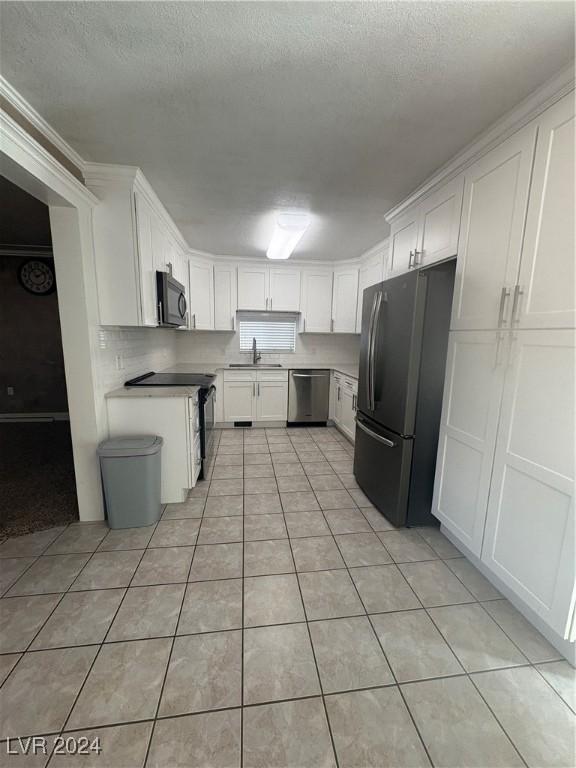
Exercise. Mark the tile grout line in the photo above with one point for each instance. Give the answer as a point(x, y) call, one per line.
point(384, 653)
point(307, 621)
point(174, 636)
point(320, 684)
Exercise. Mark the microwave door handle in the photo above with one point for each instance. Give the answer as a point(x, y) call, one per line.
point(182, 306)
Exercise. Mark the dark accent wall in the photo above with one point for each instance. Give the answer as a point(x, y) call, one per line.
point(31, 359)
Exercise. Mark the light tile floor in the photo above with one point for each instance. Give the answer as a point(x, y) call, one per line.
point(273, 619)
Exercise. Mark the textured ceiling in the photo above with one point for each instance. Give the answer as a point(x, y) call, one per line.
point(236, 111)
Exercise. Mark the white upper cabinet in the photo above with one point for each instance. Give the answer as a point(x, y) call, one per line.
point(225, 302)
point(146, 271)
point(264, 288)
point(284, 290)
point(369, 274)
point(439, 224)
point(345, 300)
point(317, 300)
point(253, 287)
point(529, 539)
point(201, 304)
point(133, 237)
point(469, 423)
point(403, 241)
point(545, 296)
point(493, 214)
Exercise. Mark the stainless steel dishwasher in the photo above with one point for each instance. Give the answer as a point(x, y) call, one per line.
point(308, 395)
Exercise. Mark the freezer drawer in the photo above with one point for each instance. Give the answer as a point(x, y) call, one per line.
point(382, 464)
point(308, 395)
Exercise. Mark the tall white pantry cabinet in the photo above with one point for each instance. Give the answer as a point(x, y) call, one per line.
point(505, 471)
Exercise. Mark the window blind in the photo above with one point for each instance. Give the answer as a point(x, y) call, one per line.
point(272, 335)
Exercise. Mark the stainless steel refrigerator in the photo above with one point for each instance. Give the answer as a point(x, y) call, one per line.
point(405, 323)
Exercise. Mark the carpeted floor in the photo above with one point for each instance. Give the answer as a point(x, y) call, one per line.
point(37, 483)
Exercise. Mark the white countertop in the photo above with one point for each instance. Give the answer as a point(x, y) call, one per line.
point(154, 392)
point(346, 369)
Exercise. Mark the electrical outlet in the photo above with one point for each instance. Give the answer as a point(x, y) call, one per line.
point(10, 391)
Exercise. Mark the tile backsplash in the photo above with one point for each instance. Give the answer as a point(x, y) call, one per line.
point(224, 347)
point(124, 353)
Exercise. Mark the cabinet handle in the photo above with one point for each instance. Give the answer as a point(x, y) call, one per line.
point(410, 259)
point(270, 303)
point(338, 393)
point(258, 389)
point(332, 325)
point(304, 325)
point(194, 320)
point(416, 259)
point(266, 302)
point(503, 297)
point(516, 303)
point(254, 390)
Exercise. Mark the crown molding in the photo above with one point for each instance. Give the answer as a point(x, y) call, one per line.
point(19, 103)
point(538, 101)
point(19, 147)
point(101, 174)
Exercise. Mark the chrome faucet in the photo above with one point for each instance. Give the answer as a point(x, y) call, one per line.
point(255, 355)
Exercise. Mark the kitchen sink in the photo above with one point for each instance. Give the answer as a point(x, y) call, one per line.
point(255, 365)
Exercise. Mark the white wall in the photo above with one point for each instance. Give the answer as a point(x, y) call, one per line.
point(224, 347)
point(139, 350)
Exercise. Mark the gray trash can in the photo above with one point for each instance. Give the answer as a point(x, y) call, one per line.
point(130, 468)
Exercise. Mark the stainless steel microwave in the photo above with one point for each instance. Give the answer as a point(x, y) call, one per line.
point(171, 301)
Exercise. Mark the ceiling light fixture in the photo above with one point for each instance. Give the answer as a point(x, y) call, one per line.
point(287, 234)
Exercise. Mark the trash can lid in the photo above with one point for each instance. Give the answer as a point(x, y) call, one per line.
point(132, 445)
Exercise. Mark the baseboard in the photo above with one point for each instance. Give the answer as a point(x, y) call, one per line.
point(563, 646)
point(39, 417)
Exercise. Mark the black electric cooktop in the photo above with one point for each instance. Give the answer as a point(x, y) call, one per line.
point(172, 380)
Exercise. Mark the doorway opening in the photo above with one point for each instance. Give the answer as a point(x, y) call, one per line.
point(37, 481)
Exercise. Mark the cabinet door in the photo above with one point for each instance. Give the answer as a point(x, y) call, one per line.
point(345, 300)
point(348, 415)
point(370, 274)
point(271, 400)
point(201, 309)
point(469, 422)
point(337, 400)
point(403, 241)
point(547, 268)
point(253, 288)
point(224, 298)
point(317, 301)
point(440, 223)
point(529, 540)
point(146, 262)
point(284, 289)
point(239, 400)
point(492, 226)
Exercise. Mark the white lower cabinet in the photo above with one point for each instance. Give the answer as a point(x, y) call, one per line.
point(255, 395)
point(343, 398)
point(348, 408)
point(238, 400)
point(529, 537)
point(468, 426)
point(176, 420)
point(505, 470)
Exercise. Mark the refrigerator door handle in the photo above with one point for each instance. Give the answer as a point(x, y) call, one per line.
point(380, 439)
point(368, 355)
point(374, 321)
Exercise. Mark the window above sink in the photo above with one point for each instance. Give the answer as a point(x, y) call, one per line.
point(272, 334)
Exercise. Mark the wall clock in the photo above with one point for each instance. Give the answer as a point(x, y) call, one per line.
point(37, 276)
